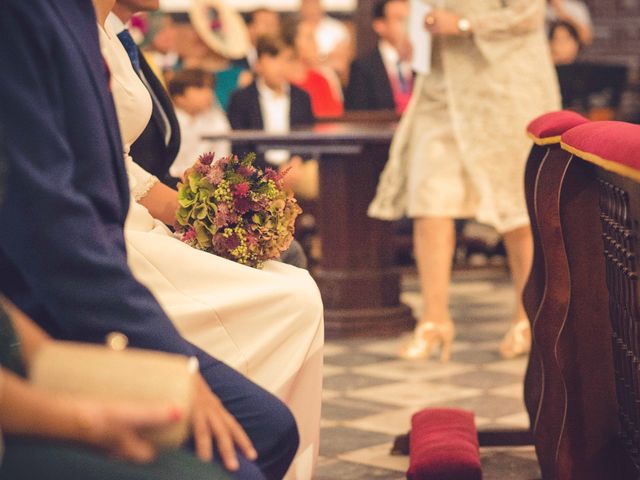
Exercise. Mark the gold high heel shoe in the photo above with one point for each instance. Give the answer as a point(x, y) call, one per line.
point(517, 340)
point(426, 336)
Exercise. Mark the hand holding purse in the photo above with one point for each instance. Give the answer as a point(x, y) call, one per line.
point(114, 373)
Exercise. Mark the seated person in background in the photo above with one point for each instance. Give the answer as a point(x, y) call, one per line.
point(273, 104)
point(51, 436)
point(270, 103)
point(332, 38)
point(260, 22)
point(382, 79)
point(565, 43)
point(198, 114)
point(303, 72)
point(160, 41)
point(574, 12)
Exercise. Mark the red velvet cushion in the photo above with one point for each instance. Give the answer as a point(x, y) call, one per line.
point(547, 128)
point(443, 445)
point(614, 146)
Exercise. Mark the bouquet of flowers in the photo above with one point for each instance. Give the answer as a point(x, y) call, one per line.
point(233, 209)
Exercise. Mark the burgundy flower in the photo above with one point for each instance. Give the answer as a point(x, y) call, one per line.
point(271, 174)
point(207, 158)
point(231, 242)
point(241, 189)
point(242, 205)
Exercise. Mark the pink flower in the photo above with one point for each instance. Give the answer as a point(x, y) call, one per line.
point(207, 158)
point(201, 168)
point(246, 171)
point(215, 175)
point(241, 189)
point(189, 235)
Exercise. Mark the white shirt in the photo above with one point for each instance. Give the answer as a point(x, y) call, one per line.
point(275, 108)
point(118, 26)
point(391, 60)
point(329, 34)
point(193, 128)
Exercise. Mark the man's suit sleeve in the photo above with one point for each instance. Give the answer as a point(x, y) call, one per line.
point(50, 230)
point(236, 111)
point(355, 97)
point(308, 119)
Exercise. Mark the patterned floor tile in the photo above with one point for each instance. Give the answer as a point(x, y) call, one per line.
point(417, 395)
point(519, 420)
point(484, 379)
point(378, 456)
point(342, 409)
point(490, 406)
point(476, 356)
point(370, 394)
point(336, 440)
point(516, 366)
point(515, 390)
point(502, 465)
point(392, 422)
point(346, 382)
point(328, 370)
point(355, 359)
point(329, 394)
point(341, 470)
point(334, 348)
point(415, 371)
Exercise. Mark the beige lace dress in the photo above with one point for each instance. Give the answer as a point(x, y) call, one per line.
point(461, 147)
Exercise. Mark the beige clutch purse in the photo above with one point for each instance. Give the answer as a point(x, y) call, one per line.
point(113, 373)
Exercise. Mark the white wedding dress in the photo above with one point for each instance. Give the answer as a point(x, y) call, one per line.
point(267, 324)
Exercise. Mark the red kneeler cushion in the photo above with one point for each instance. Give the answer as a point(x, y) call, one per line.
point(614, 146)
point(548, 128)
point(443, 445)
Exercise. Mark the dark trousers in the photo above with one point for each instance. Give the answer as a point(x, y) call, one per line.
point(267, 421)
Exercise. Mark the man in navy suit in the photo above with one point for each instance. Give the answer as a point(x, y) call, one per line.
point(382, 79)
point(62, 251)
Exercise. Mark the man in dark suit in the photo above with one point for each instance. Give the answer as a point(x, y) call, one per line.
point(157, 147)
point(270, 103)
point(382, 79)
point(62, 252)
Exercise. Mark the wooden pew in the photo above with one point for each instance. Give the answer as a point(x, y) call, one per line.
point(586, 323)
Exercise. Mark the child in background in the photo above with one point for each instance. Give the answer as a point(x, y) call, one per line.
point(199, 114)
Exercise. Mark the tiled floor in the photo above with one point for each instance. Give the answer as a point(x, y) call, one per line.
point(369, 394)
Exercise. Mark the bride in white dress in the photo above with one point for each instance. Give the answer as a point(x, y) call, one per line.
point(267, 324)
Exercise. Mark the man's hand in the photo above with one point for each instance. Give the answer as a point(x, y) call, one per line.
point(442, 22)
point(212, 423)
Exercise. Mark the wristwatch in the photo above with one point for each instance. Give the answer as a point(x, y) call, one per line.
point(464, 25)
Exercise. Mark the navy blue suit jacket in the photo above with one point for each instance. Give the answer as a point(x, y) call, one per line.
point(62, 250)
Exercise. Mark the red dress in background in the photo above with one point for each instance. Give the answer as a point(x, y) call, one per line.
point(323, 101)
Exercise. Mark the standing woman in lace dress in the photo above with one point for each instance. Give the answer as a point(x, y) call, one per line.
point(460, 150)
